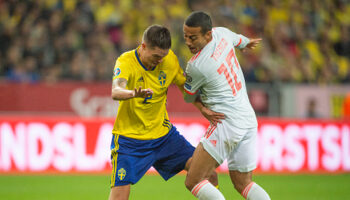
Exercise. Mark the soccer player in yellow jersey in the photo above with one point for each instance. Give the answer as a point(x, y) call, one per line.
point(143, 135)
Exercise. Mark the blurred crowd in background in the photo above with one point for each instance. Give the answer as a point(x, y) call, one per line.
point(54, 40)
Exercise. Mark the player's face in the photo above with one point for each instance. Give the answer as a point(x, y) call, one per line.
point(195, 39)
point(152, 56)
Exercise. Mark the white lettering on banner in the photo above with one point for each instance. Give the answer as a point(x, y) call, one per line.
point(346, 147)
point(62, 137)
point(271, 142)
point(312, 135)
point(294, 158)
point(331, 160)
point(84, 162)
point(13, 146)
point(39, 133)
point(35, 146)
point(102, 149)
point(85, 105)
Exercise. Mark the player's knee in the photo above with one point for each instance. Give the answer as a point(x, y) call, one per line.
point(240, 179)
point(213, 178)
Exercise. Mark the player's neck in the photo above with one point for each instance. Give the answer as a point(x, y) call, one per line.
point(208, 40)
point(139, 53)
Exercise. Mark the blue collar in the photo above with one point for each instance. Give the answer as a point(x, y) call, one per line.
point(138, 59)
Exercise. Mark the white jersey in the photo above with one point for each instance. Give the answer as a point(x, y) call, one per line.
point(216, 74)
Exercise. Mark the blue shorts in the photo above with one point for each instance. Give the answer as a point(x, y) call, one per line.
point(131, 158)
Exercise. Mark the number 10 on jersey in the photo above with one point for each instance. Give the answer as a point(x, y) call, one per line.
point(224, 69)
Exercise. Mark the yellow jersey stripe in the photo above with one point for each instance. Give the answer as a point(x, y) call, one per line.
point(167, 124)
point(114, 160)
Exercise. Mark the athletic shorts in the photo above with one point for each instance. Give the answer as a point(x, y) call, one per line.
point(131, 158)
point(238, 146)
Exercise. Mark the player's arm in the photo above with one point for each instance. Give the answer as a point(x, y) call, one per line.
point(119, 91)
point(180, 81)
point(189, 96)
point(194, 81)
point(242, 42)
point(212, 117)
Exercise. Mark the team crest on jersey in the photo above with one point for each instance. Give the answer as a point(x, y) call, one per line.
point(121, 174)
point(162, 78)
point(116, 71)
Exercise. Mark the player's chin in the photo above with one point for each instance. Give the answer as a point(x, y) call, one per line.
point(154, 64)
point(193, 50)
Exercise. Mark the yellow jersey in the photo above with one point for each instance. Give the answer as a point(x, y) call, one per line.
point(146, 118)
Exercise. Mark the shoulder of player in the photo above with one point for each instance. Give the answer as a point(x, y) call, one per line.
point(126, 55)
point(125, 58)
point(221, 29)
point(198, 67)
point(171, 55)
point(124, 62)
point(202, 58)
point(171, 59)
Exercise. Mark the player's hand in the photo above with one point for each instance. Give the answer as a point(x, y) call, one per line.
point(253, 43)
point(213, 117)
point(143, 93)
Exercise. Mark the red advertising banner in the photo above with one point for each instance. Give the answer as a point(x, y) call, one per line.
point(69, 144)
point(73, 99)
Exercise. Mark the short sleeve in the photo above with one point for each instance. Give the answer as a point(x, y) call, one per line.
point(120, 69)
point(194, 79)
point(179, 79)
point(239, 41)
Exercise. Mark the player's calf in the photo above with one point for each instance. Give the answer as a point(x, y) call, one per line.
point(254, 192)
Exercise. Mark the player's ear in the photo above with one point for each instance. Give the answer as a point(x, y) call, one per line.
point(143, 45)
point(207, 35)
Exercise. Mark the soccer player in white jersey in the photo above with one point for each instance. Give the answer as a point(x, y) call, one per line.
point(216, 84)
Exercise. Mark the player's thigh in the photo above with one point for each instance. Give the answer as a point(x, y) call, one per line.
point(244, 156)
point(173, 155)
point(202, 166)
point(120, 192)
point(221, 140)
point(242, 161)
point(130, 161)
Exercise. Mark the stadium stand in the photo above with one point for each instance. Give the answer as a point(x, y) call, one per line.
point(303, 41)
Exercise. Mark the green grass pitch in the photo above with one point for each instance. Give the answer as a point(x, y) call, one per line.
point(153, 187)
